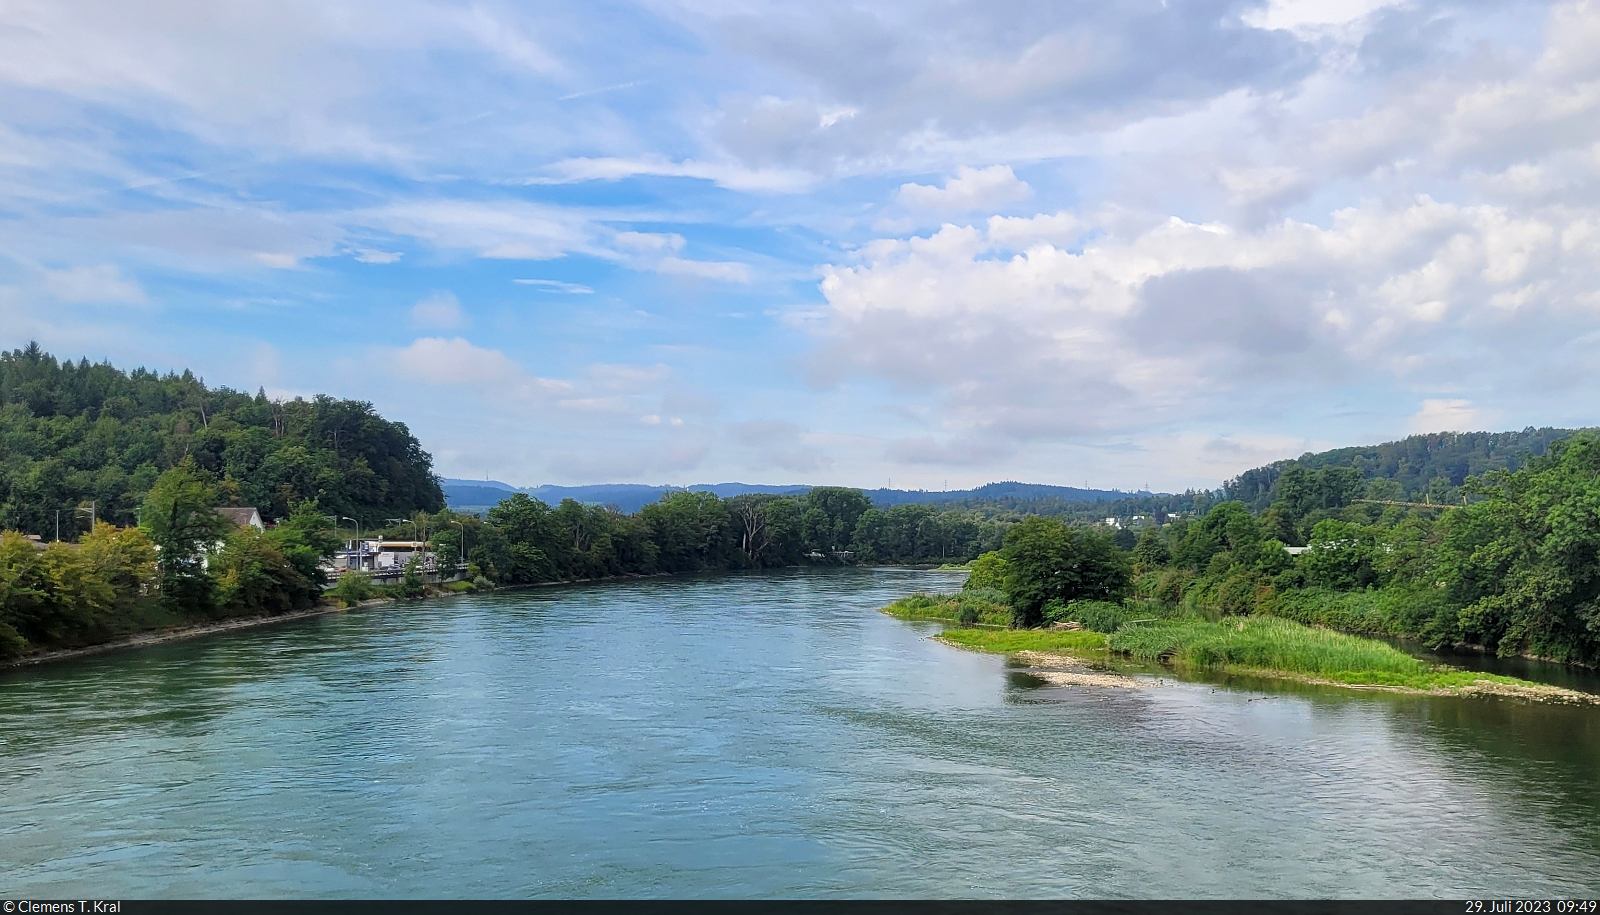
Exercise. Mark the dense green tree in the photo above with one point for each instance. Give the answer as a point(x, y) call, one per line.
point(1342, 556)
point(691, 530)
point(1151, 551)
point(254, 577)
point(828, 520)
point(180, 516)
point(988, 571)
point(1048, 560)
point(1523, 562)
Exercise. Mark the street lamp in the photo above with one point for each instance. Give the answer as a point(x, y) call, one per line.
point(360, 560)
point(461, 557)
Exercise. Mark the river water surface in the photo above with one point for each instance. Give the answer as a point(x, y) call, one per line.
point(753, 736)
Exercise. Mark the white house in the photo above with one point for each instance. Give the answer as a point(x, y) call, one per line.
point(243, 517)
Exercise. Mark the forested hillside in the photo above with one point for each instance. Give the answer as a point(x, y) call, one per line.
point(1422, 467)
point(76, 432)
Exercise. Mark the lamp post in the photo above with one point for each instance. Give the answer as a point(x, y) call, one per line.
point(359, 551)
point(90, 511)
point(461, 552)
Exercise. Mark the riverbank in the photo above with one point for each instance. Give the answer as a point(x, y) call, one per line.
point(178, 633)
point(1265, 648)
point(202, 628)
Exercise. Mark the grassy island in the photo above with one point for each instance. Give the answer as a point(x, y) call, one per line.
point(1263, 647)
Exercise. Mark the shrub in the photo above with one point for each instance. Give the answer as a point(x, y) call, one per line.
point(988, 573)
point(353, 588)
point(1054, 612)
point(1099, 615)
point(411, 586)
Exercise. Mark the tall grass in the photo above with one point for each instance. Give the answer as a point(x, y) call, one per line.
point(967, 608)
point(1010, 640)
point(1264, 643)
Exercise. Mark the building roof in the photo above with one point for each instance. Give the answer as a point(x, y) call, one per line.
point(242, 517)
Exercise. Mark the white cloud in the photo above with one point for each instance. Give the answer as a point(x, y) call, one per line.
point(373, 256)
point(1312, 17)
point(508, 230)
point(730, 175)
point(556, 286)
point(277, 260)
point(103, 283)
point(725, 271)
point(1025, 340)
point(456, 361)
point(439, 311)
point(657, 251)
point(970, 189)
point(1447, 416)
point(648, 241)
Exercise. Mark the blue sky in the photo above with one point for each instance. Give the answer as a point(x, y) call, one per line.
point(1144, 243)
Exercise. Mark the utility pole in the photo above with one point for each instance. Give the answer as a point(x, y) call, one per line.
point(91, 514)
point(58, 525)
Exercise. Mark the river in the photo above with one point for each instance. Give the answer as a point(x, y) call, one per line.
point(753, 736)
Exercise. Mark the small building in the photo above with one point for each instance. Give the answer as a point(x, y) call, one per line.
point(243, 517)
point(383, 556)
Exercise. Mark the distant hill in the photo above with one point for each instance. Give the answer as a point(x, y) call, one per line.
point(72, 433)
point(993, 492)
point(1419, 463)
point(479, 495)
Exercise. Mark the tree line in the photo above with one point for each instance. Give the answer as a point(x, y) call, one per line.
point(523, 540)
point(1515, 568)
point(186, 563)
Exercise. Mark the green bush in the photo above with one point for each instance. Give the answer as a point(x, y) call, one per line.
point(353, 588)
point(1099, 615)
point(411, 586)
point(992, 595)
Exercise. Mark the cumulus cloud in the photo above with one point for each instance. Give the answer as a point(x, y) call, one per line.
point(969, 189)
point(1029, 340)
point(1445, 415)
point(456, 361)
